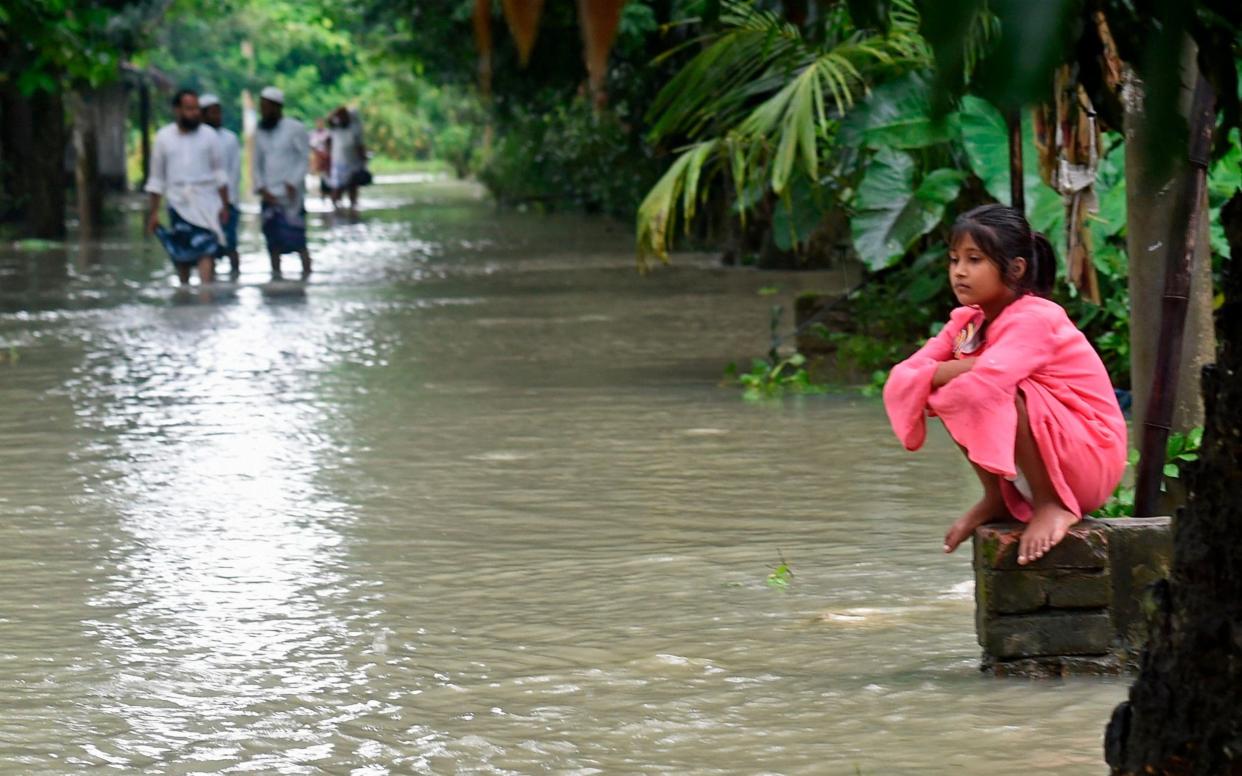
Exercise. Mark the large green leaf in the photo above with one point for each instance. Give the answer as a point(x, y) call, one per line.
point(796, 214)
point(890, 214)
point(986, 140)
point(940, 187)
point(1045, 209)
point(1225, 174)
point(898, 114)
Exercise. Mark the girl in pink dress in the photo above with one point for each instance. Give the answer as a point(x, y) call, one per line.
point(1016, 384)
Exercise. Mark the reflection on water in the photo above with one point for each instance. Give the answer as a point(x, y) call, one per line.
point(474, 503)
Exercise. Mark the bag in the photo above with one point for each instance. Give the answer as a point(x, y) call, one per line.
point(361, 177)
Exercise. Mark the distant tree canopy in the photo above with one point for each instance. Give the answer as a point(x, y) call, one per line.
point(438, 36)
point(320, 53)
point(45, 44)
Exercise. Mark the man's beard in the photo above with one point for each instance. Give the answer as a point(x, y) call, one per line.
point(189, 125)
point(269, 124)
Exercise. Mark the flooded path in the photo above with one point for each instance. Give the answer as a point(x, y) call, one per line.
point(473, 504)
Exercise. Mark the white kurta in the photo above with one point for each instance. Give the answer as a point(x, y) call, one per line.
point(187, 169)
point(347, 155)
point(230, 148)
point(281, 156)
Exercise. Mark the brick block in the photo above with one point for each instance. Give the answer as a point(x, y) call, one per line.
point(1054, 666)
point(1019, 592)
point(1084, 547)
point(1047, 633)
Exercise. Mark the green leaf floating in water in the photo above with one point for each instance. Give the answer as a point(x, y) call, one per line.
point(781, 576)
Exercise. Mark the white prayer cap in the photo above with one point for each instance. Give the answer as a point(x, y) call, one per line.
point(273, 94)
point(207, 100)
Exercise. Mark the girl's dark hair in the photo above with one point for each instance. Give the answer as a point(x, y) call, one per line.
point(1003, 234)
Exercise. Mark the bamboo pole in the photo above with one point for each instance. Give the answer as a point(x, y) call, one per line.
point(1017, 194)
point(1159, 416)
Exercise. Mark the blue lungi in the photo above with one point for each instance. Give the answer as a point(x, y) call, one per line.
point(284, 232)
point(230, 233)
point(185, 242)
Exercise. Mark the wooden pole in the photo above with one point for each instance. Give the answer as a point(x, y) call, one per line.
point(144, 121)
point(1017, 193)
point(1158, 419)
point(86, 166)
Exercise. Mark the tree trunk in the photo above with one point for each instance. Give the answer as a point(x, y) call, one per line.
point(86, 167)
point(1151, 223)
point(1184, 715)
point(1180, 254)
point(32, 162)
point(111, 104)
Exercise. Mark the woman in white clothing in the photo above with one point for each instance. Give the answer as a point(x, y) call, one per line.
point(348, 154)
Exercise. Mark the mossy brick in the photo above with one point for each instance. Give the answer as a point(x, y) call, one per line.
point(1007, 637)
point(1141, 552)
point(1019, 592)
point(1084, 547)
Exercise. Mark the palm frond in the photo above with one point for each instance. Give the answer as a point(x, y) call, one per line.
point(767, 99)
point(657, 214)
point(756, 45)
point(983, 33)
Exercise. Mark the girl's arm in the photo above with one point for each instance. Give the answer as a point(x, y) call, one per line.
point(979, 407)
point(947, 370)
point(911, 382)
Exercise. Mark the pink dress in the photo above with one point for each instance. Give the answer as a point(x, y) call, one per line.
point(1031, 347)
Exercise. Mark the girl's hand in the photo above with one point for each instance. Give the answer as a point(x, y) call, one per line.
point(951, 369)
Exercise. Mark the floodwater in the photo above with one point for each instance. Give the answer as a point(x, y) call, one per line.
point(475, 503)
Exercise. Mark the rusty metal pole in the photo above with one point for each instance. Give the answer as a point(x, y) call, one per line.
point(1017, 194)
point(1158, 420)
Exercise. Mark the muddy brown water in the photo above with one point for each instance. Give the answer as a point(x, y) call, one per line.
point(475, 503)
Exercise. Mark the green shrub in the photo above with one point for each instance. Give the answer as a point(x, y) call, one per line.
point(569, 157)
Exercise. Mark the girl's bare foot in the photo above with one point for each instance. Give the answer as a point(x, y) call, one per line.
point(986, 510)
point(1048, 526)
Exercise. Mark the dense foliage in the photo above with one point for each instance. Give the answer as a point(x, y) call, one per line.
point(46, 44)
point(315, 52)
point(546, 146)
point(851, 113)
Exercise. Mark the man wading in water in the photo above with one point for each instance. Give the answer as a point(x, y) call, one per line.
point(230, 153)
point(187, 167)
point(281, 156)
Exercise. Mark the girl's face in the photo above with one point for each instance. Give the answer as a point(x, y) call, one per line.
point(974, 277)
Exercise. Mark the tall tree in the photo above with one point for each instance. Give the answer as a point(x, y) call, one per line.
point(1184, 714)
point(48, 47)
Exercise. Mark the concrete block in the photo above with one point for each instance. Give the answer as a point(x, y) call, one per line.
point(1140, 552)
point(1046, 633)
point(1082, 609)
